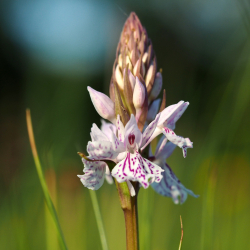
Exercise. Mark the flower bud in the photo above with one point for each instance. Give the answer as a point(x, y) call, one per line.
point(149, 75)
point(156, 87)
point(139, 94)
point(145, 57)
point(129, 63)
point(120, 60)
point(118, 77)
point(103, 104)
point(136, 66)
point(131, 79)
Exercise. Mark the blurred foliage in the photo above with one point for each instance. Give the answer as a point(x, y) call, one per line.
point(204, 52)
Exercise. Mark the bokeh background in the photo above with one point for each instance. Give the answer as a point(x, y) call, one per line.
point(52, 50)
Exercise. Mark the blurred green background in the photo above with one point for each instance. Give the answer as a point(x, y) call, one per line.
point(52, 50)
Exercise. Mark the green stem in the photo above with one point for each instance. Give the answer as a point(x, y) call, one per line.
point(129, 207)
point(48, 200)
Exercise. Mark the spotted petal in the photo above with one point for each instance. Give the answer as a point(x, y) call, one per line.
point(170, 186)
point(97, 134)
point(156, 132)
point(147, 134)
point(168, 112)
point(181, 142)
point(136, 168)
point(100, 150)
point(120, 128)
point(101, 147)
point(117, 145)
point(94, 174)
point(175, 116)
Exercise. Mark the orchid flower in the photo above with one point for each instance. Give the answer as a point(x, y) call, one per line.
point(123, 150)
point(134, 167)
point(170, 185)
point(166, 124)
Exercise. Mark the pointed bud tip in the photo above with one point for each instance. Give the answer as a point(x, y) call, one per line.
point(103, 104)
point(89, 88)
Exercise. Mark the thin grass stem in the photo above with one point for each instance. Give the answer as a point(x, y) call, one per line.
point(43, 182)
point(98, 219)
point(181, 234)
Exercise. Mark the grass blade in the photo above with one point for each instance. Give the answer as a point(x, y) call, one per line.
point(181, 234)
point(98, 219)
point(43, 182)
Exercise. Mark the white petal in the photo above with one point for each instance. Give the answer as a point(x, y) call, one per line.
point(181, 142)
point(170, 123)
point(170, 186)
point(121, 156)
point(97, 134)
point(147, 134)
point(168, 112)
point(136, 168)
point(101, 147)
point(94, 174)
point(108, 176)
point(100, 150)
point(106, 128)
point(117, 145)
point(157, 132)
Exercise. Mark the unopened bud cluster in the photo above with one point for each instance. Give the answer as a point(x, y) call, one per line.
point(135, 79)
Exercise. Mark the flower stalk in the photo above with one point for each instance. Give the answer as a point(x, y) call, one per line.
point(130, 209)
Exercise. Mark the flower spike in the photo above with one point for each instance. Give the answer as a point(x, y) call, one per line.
point(136, 117)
